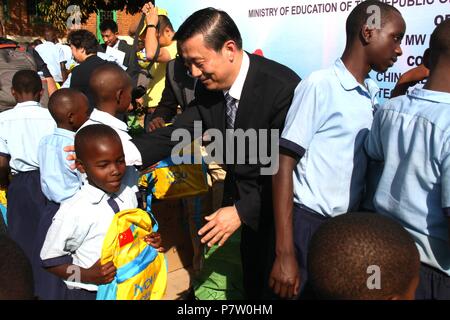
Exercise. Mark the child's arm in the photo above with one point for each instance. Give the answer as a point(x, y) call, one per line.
point(409, 79)
point(97, 274)
point(154, 239)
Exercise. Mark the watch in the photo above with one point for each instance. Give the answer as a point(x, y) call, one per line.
point(151, 26)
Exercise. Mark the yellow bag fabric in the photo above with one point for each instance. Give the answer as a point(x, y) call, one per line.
point(170, 181)
point(141, 270)
point(3, 204)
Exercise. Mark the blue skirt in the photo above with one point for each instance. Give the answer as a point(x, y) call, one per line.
point(47, 286)
point(30, 215)
point(26, 206)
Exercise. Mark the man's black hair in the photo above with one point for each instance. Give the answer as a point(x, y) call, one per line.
point(215, 25)
point(109, 24)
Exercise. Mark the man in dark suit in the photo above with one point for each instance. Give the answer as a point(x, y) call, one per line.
point(109, 31)
point(261, 91)
point(178, 91)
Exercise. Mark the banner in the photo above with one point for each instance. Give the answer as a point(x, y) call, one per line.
point(310, 35)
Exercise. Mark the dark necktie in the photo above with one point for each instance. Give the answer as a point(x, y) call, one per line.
point(113, 204)
point(230, 110)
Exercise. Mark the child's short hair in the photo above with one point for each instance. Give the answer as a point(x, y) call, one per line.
point(91, 134)
point(106, 80)
point(62, 101)
point(360, 16)
point(440, 39)
point(16, 276)
point(27, 81)
point(346, 250)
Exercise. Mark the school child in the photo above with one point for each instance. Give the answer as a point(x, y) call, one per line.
point(73, 244)
point(70, 109)
point(16, 276)
point(111, 89)
point(411, 136)
point(322, 161)
point(21, 129)
point(364, 256)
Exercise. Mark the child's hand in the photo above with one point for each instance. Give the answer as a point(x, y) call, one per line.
point(154, 239)
point(71, 156)
point(100, 274)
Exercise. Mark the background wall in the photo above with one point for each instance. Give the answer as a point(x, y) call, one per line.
point(309, 35)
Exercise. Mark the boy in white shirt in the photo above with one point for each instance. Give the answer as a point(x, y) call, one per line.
point(72, 248)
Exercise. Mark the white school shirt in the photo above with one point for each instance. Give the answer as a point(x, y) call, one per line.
point(21, 130)
point(52, 55)
point(80, 226)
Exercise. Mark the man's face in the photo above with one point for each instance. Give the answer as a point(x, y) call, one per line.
point(212, 68)
point(104, 164)
point(384, 48)
point(109, 37)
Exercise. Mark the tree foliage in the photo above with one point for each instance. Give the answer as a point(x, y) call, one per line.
point(58, 13)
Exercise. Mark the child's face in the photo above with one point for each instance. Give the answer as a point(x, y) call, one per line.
point(104, 164)
point(384, 46)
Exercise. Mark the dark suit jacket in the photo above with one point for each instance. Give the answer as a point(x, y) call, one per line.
point(81, 75)
point(124, 47)
point(267, 94)
point(178, 91)
point(129, 61)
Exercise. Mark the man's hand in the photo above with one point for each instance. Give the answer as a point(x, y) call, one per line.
point(285, 276)
point(222, 224)
point(156, 123)
point(99, 274)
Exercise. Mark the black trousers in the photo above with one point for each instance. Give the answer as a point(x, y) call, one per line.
point(433, 284)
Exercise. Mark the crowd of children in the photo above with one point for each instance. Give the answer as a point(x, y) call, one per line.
point(61, 204)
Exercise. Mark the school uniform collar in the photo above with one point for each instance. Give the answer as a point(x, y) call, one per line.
point(430, 95)
point(349, 82)
point(96, 195)
point(28, 104)
point(106, 118)
point(64, 133)
point(238, 84)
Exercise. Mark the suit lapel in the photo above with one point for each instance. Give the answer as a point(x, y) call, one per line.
point(250, 99)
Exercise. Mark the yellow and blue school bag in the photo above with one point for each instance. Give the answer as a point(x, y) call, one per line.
point(3, 204)
point(141, 269)
point(168, 181)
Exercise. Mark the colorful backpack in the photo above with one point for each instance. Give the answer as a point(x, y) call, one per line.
point(168, 181)
point(3, 203)
point(141, 269)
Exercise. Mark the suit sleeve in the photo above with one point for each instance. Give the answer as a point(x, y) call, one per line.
point(249, 187)
point(157, 145)
point(167, 107)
